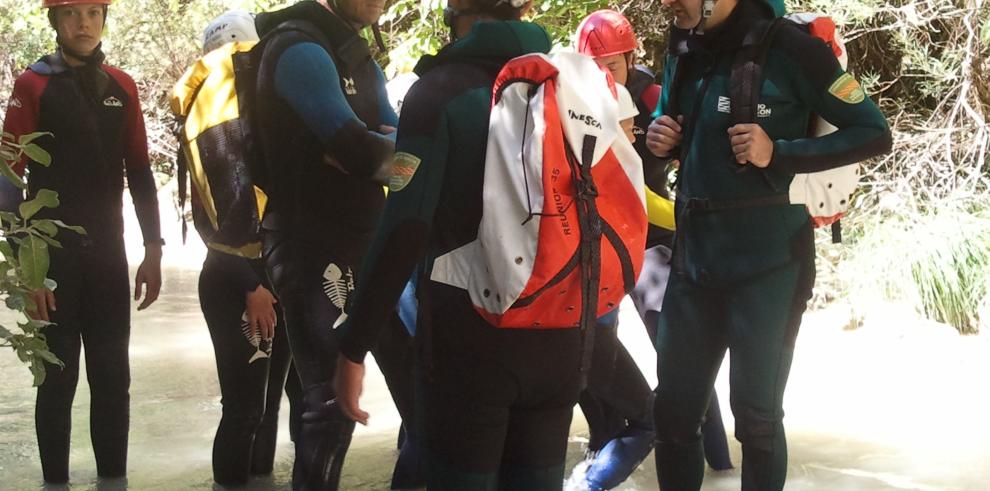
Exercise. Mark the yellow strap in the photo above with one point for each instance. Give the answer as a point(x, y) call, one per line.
point(659, 210)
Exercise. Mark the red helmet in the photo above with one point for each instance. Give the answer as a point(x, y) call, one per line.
point(47, 4)
point(605, 33)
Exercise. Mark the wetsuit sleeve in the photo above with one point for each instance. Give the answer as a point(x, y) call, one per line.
point(307, 79)
point(402, 237)
point(664, 105)
point(838, 98)
point(22, 115)
point(659, 210)
point(238, 270)
point(387, 113)
point(140, 179)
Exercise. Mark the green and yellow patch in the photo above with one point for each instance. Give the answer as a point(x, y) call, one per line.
point(404, 167)
point(847, 89)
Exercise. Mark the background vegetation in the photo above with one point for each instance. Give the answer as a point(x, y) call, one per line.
point(920, 230)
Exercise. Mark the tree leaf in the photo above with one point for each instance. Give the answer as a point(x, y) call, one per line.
point(47, 227)
point(45, 198)
point(30, 137)
point(12, 176)
point(37, 154)
point(75, 228)
point(6, 250)
point(34, 260)
point(50, 241)
point(38, 370)
point(15, 302)
point(49, 357)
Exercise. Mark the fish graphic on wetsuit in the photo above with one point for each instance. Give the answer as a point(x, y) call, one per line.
point(263, 347)
point(338, 284)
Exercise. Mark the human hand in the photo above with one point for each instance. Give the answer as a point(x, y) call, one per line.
point(663, 135)
point(348, 383)
point(149, 275)
point(386, 129)
point(260, 312)
point(44, 300)
point(751, 145)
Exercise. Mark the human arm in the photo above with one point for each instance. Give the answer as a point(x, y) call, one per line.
point(400, 244)
point(141, 182)
point(837, 97)
point(307, 79)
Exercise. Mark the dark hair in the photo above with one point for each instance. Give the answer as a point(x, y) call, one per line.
point(501, 10)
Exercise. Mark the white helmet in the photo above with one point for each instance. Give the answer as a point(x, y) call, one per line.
point(230, 26)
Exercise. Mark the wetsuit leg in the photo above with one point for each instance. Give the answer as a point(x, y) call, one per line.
point(53, 408)
point(715, 441)
point(309, 300)
point(294, 392)
point(766, 314)
point(106, 333)
point(498, 401)
point(242, 370)
point(596, 401)
point(648, 298)
point(395, 355)
point(266, 438)
point(691, 342)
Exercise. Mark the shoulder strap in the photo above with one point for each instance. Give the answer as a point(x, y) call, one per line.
point(746, 77)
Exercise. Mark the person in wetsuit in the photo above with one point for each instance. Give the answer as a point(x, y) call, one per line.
point(97, 136)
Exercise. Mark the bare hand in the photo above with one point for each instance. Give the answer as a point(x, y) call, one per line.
point(663, 135)
point(348, 384)
point(751, 145)
point(44, 300)
point(149, 275)
point(386, 129)
point(260, 312)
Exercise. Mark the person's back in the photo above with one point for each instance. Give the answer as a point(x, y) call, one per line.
point(498, 401)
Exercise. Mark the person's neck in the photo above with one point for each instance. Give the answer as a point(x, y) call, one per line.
point(357, 26)
point(72, 61)
point(465, 23)
point(722, 13)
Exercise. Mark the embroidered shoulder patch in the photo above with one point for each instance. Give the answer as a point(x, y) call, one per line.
point(847, 89)
point(404, 167)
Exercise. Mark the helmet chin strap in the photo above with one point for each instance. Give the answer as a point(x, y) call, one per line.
point(707, 9)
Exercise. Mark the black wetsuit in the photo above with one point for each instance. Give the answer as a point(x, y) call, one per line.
point(320, 94)
point(250, 383)
point(98, 131)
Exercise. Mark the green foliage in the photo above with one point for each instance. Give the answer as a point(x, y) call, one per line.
point(938, 261)
point(925, 62)
point(25, 270)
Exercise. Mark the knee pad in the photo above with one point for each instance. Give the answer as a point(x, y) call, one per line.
point(673, 428)
point(757, 430)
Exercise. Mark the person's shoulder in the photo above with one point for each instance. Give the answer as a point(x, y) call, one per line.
point(813, 58)
point(429, 97)
point(121, 77)
point(29, 79)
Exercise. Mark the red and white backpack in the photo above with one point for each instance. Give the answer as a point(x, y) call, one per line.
point(563, 229)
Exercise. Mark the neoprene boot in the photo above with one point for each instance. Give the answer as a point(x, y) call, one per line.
point(617, 460)
point(324, 437)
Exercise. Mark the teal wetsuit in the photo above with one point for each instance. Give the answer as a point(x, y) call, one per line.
point(498, 402)
point(743, 274)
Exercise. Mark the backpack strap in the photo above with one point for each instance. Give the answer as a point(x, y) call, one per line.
point(746, 80)
point(746, 77)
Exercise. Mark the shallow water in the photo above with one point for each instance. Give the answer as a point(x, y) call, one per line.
point(899, 404)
